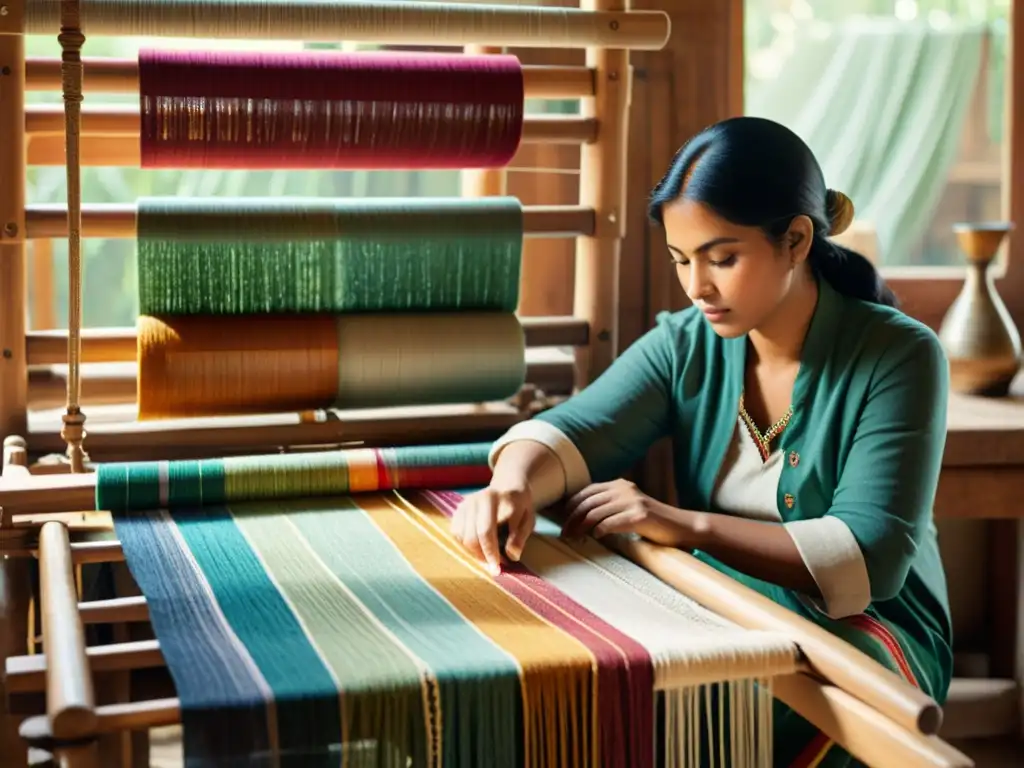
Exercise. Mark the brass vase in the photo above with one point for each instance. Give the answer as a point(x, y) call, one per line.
point(978, 334)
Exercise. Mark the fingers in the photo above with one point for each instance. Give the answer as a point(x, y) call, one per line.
point(520, 526)
point(621, 522)
point(487, 516)
point(591, 490)
point(575, 522)
point(478, 519)
point(464, 526)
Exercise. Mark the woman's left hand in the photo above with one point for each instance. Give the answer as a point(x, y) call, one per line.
point(620, 507)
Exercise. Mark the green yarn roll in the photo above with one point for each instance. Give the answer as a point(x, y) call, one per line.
point(255, 255)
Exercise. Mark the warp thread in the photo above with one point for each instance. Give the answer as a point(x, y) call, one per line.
point(257, 255)
point(197, 365)
point(326, 109)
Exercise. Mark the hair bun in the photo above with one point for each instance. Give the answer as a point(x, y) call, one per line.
point(840, 212)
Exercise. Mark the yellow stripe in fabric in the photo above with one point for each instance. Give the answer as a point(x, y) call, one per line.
point(362, 470)
point(555, 666)
point(358, 649)
point(821, 755)
point(437, 523)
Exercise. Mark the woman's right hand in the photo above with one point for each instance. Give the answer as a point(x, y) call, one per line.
point(478, 518)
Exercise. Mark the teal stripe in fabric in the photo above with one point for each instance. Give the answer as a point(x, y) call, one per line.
point(254, 255)
point(224, 702)
point(480, 682)
point(173, 484)
point(309, 727)
point(383, 682)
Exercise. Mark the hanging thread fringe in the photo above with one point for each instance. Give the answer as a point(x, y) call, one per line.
point(719, 725)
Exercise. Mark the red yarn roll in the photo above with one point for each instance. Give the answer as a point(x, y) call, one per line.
point(328, 110)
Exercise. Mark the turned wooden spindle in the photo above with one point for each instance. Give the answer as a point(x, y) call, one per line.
point(71, 41)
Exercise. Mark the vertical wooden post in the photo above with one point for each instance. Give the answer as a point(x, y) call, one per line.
point(603, 188)
point(13, 365)
point(14, 572)
point(15, 592)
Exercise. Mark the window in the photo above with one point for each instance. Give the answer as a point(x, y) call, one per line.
point(904, 102)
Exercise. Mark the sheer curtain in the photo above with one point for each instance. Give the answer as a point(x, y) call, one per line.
point(882, 103)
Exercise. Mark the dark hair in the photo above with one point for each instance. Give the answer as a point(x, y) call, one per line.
point(757, 173)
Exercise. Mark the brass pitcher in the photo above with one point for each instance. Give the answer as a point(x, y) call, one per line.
point(978, 334)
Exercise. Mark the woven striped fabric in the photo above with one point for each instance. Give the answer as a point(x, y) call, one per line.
point(353, 630)
point(158, 484)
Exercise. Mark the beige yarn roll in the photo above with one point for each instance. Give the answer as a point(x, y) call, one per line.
point(400, 359)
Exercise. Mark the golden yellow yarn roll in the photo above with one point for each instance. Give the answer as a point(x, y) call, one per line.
point(197, 365)
point(192, 366)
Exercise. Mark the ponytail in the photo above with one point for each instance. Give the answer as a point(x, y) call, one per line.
point(849, 273)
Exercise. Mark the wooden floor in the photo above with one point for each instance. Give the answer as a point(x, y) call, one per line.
point(165, 751)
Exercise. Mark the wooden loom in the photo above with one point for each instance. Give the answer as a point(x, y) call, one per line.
point(44, 507)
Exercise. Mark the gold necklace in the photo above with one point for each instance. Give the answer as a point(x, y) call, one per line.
point(764, 441)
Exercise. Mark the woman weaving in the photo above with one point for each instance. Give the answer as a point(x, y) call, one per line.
point(807, 416)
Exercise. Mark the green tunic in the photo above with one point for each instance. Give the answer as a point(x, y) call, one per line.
point(864, 445)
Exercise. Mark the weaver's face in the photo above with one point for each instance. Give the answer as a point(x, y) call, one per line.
point(735, 275)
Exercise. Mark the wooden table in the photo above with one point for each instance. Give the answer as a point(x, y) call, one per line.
point(983, 479)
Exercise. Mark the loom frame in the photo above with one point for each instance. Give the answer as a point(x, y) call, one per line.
point(872, 713)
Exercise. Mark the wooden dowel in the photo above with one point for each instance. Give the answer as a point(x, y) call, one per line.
point(115, 152)
point(232, 436)
point(15, 453)
point(69, 693)
point(114, 221)
point(28, 674)
point(836, 661)
point(95, 552)
point(105, 75)
point(118, 610)
point(864, 732)
point(123, 121)
point(370, 21)
point(119, 345)
point(47, 386)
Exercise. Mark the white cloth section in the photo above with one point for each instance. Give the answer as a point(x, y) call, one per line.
point(748, 488)
point(688, 644)
point(548, 488)
point(834, 558)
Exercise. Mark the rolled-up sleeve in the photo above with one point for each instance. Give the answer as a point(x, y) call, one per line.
point(599, 433)
point(833, 557)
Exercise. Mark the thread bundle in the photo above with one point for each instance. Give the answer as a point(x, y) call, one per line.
point(267, 255)
point(325, 109)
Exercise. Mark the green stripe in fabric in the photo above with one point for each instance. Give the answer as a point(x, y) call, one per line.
point(477, 679)
point(383, 682)
point(306, 693)
point(252, 255)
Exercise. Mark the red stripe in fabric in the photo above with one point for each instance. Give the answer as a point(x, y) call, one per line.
point(873, 627)
point(812, 753)
point(384, 481)
point(624, 668)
